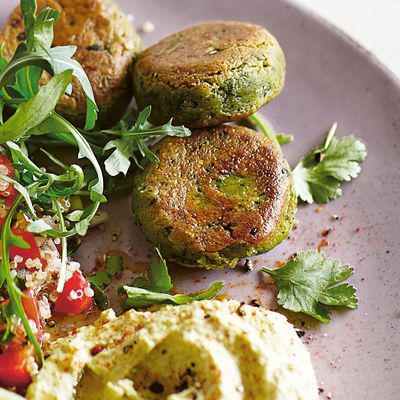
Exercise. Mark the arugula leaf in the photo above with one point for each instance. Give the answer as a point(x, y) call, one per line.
point(119, 159)
point(54, 61)
point(318, 175)
point(155, 288)
point(137, 297)
point(28, 80)
point(158, 279)
point(61, 59)
point(309, 283)
point(132, 134)
point(102, 278)
point(28, 10)
point(42, 34)
point(3, 94)
point(85, 151)
point(35, 110)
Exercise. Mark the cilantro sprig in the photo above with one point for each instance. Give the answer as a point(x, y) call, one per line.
point(318, 175)
point(310, 283)
point(155, 288)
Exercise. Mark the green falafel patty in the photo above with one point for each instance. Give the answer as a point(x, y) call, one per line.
point(209, 74)
point(106, 44)
point(215, 197)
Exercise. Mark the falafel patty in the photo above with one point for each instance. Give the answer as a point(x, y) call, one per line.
point(209, 74)
point(107, 44)
point(217, 196)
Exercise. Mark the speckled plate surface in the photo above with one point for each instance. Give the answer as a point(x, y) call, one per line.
point(356, 356)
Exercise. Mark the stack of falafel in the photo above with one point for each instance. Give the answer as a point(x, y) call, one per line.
point(225, 192)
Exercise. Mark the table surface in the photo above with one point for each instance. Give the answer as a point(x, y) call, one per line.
point(375, 24)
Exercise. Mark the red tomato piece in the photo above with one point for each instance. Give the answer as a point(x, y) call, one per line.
point(32, 252)
point(3, 217)
point(31, 307)
point(67, 303)
point(9, 193)
point(14, 371)
point(7, 163)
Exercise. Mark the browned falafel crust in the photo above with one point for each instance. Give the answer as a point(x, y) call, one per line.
point(215, 197)
point(209, 74)
point(107, 45)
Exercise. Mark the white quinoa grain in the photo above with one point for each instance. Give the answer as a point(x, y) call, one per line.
point(88, 292)
point(148, 27)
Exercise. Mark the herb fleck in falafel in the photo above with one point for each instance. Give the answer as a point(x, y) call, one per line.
point(218, 196)
point(107, 44)
point(210, 74)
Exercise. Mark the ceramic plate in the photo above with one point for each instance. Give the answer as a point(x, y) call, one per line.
point(329, 78)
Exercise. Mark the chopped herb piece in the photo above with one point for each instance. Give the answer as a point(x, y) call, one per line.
point(102, 278)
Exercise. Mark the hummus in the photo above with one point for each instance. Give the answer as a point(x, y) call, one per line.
point(204, 350)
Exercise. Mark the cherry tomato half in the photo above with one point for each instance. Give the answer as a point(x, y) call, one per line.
point(31, 307)
point(32, 252)
point(14, 356)
point(67, 304)
point(14, 371)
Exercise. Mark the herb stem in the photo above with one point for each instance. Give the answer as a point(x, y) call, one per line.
point(265, 127)
point(64, 250)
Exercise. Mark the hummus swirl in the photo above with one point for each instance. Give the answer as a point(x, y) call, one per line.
point(205, 350)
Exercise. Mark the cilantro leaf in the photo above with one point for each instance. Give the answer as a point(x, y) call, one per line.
point(318, 175)
point(158, 279)
point(155, 288)
point(102, 278)
point(309, 283)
